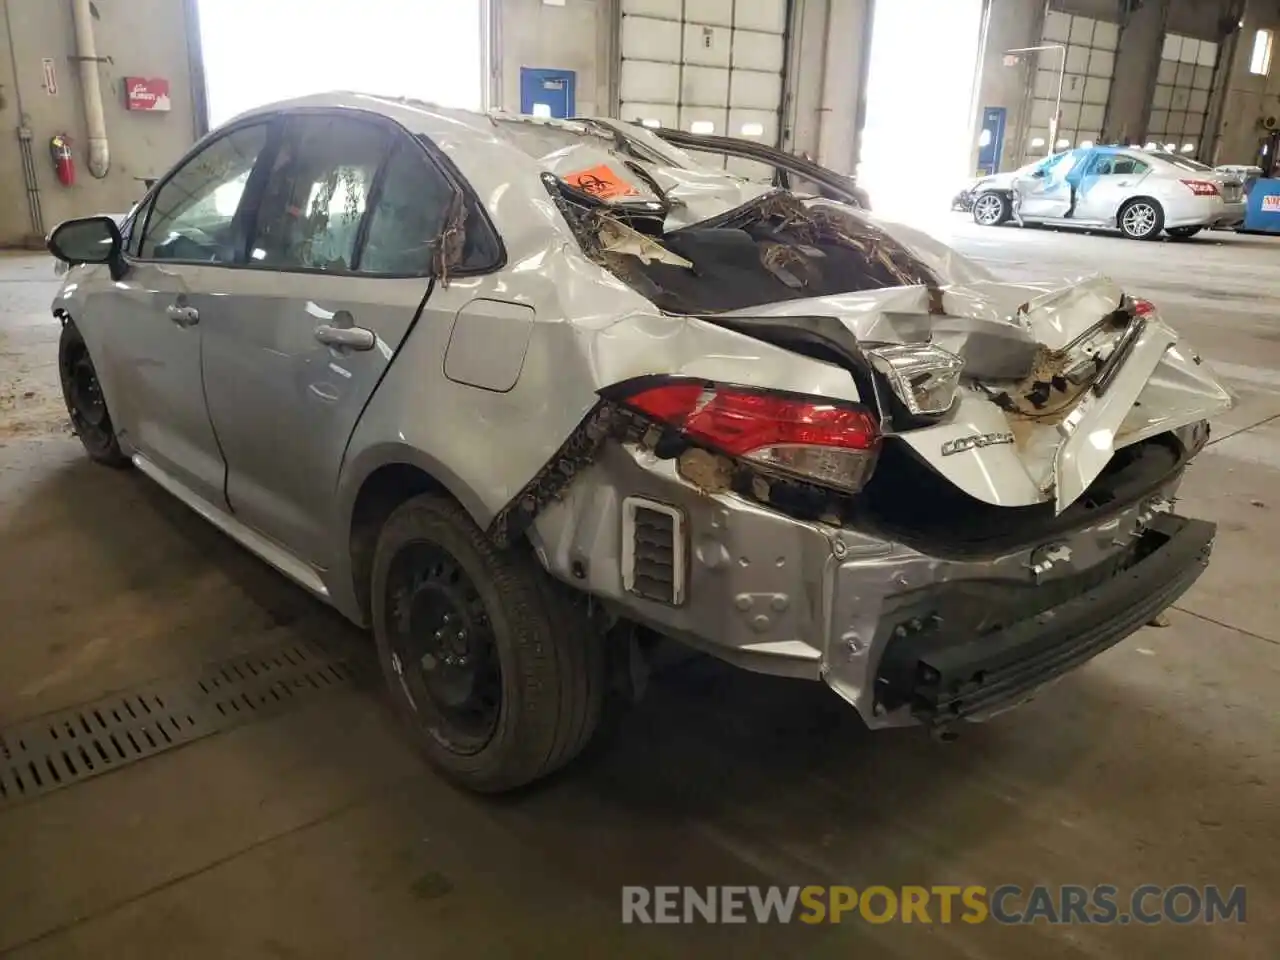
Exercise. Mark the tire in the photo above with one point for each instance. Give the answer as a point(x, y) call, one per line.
point(86, 406)
point(1141, 219)
point(511, 693)
point(1183, 233)
point(991, 209)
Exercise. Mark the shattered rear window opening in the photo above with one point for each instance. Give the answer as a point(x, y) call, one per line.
point(771, 249)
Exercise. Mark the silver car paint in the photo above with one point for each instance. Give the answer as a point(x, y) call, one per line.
point(768, 591)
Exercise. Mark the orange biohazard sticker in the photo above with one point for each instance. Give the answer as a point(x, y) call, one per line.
point(602, 182)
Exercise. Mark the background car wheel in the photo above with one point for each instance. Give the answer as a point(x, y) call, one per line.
point(1183, 233)
point(991, 209)
point(498, 673)
point(1141, 219)
point(86, 406)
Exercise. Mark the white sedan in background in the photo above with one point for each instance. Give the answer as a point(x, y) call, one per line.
point(1141, 193)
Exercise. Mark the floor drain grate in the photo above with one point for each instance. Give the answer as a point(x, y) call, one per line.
point(63, 748)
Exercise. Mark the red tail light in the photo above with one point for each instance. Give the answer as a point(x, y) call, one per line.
point(1142, 307)
point(828, 442)
point(1202, 188)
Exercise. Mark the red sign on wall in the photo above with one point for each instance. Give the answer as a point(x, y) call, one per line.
point(147, 93)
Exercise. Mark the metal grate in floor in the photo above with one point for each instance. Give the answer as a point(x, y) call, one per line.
point(64, 748)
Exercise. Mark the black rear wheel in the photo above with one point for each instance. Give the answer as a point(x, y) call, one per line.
point(86, 405)
point(496, 670)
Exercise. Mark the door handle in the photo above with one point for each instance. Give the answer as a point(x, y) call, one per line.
point(352, 338)
point(182, 316)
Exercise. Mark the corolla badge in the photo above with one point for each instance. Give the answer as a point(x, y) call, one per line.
point(961, 444)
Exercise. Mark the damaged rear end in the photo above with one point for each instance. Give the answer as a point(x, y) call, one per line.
point(833, 450)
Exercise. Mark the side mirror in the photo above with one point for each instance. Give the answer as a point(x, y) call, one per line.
point(87, 240)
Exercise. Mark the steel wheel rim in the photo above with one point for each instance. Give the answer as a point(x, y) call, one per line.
point(442, 647)
point(987, 209)
point(1139, 219)
point(86, 393)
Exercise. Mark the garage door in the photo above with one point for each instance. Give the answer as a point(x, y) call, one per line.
point(706, 66)
point(1181, 101)
point(1091, 59)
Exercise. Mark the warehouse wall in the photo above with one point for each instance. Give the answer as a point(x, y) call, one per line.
point(1249, 97)
point(573, 35)
point(826, 64)
point(1010, 24)
point(135, 38)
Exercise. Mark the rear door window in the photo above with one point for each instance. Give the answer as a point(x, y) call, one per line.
point(317, 193)
point(409, 216)
point(1129, 165)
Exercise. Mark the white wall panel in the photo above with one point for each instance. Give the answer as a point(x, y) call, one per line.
point(1086, 82)
point(709, 11)
point(649, 82)
point(665, 9)
point(1180, 101)
point(645, 38)
point(704, 62)
point(754, 50)
point(707, 45)
point(768, 16)
point(756, 91)
point(705, 86)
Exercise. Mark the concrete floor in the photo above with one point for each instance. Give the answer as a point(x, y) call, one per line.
point(319, 834)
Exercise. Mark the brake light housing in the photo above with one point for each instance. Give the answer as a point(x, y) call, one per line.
point(1202, 188)
point(828, 442)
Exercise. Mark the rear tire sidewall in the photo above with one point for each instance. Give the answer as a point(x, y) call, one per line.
point(1157, 222)
point(522, 747)
point(980, 209)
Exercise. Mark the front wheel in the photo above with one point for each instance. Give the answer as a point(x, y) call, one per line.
point(86, 405)
point(991, 209)
point(1141, 219)
point(497, 672)
point(1183, 233)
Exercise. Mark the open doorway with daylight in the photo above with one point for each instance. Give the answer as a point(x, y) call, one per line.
point(916, 138)
point(260, 51)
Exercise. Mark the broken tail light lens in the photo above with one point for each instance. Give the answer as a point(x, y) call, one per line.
point(923, 377)
point(826, 442)
point(1202, 188)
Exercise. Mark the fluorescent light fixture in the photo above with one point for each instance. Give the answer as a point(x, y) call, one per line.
point(702, 126)
point(1188, 147)
point(1151, 145)
point(1063, 143)
point(1086, 143)
point(752, 129)
point(651, 123)
point(1037, 141)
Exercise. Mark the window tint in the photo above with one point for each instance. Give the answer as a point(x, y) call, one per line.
point(410, 215)
point(316, 194)
point(191, 216)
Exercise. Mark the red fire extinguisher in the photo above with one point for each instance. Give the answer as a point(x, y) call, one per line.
point(64, 163)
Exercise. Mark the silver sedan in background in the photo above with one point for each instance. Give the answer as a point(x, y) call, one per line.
point(1141, 193)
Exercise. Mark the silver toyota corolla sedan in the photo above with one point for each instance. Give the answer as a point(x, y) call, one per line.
point(523, 395)
point(1140, 193)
